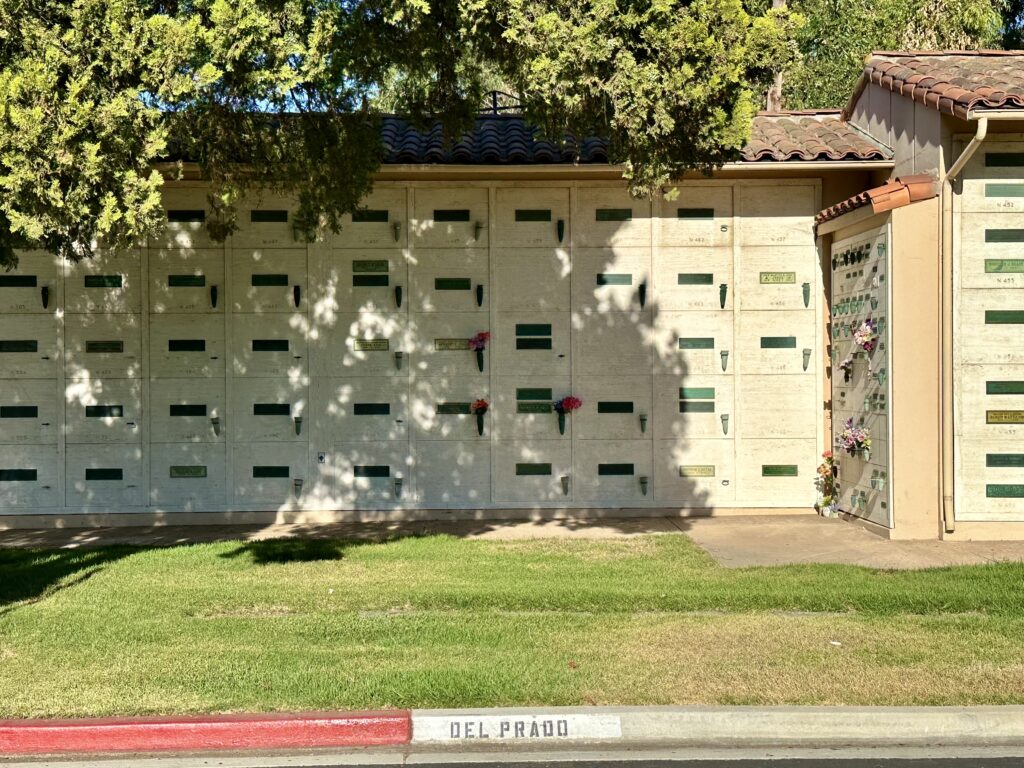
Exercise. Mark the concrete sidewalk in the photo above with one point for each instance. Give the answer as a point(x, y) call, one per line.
point(734, 541)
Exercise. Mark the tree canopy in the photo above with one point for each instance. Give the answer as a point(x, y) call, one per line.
point(285, 95)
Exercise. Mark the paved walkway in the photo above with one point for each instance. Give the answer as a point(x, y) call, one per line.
point(734, 541)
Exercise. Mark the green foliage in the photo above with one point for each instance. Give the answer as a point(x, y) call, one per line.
point(284, 95)
point(838, 34)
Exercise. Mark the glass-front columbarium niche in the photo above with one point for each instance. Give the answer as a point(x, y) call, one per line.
point(860, 374)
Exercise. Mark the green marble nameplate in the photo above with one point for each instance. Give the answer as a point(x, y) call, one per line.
point(186, 281)
point(697, 343)
point(187, 410)
point(697, 470)
point(104, 281)
point(271, 409)
point(1001, 491)
point(370, 265)
point(778, 470)
point(18, 475)
point(187, 471)
point(370, 216)
point(371, 409)
point(533, 329)
point(1014, 460)
point(615, 470)
point(695, 213)
point(1004, 235)
point(697, 406)
point(453, 409)
point(533, 469)
point(1004, 190)
point(608, 278)
point(451, 345)
point(104, 411)
point(268, 471)
point(533, 393)
point(370, 281)
point(186, 215)
point(270, 345)
point(697, 393)
point(533, 214)
point(778, 342)
point(19, 411)
point(615, 406)
point(372, 470)
point(778, 278)
point(371, 345)
point(19, 345)
point(113, 347)
point(18, 281)
point(451, 214)
point(1004, 317)
point(452, 284)
point(534, 407)
point(695, 278)
point(1004, 387)
point(104, 473)
point(613, 214)
point(1004, 417)
point(999, 266)
point(268, 216)
point(269, 281)
point(1004, 159)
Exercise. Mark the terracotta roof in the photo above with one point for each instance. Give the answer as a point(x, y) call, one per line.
point(510, 140)
point(954, 82)
point(893, 194)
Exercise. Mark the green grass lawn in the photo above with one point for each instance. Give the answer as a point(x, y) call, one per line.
point(442, 622)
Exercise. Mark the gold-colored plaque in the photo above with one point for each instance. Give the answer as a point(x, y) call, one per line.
point(450, 345)
point(372, 345)
point(697, 470)
point(778, 278)
point(1004, 417)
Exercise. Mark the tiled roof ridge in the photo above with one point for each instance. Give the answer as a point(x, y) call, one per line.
point(799, 135)
point(953, 82)
point(901, 191)
point(950, 52)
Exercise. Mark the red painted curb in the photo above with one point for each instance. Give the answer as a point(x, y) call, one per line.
point(188, 734)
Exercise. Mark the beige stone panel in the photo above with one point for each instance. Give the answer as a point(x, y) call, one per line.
point(612, 344)
point(354, 280)
point(530, 417)
point(107, 411)
point(29, 478)
point(700, 406)
point(989, 479)
point(453, 474)
point(370, 473)
point(533, 471)
point(778, 278)
point(760, 330)
point(187, 280)
point(693, 279)
point(103, 347)
point(995, 264)
point(188, 411)
point(29, 348)
point(986, 342)
point(270, 345)
point(442, 345)
point(695, 474)
point(363, 409)
point(684, 221)
point(990, 416)
point(270, 473)
point(432, 399)
point(108, 282)
point(776, 215)
point(531, 279)
point(631, 460)
point(259, 224)
point(528, 217)
point(613, 407)
point(777, 406)
point(611, 281)
point(449, 280)
point(692, 343)
point(184, 234)
point(366, 344)
point(450, 217)
point(610, 216)
point(758, 459)
point(29, 411)
point(269, 410)
point(105, 477)
point(269, 280)
point(186, 346)
point(370, 231)
point(190, 477)
point(513, 343)
point(33, 286)
point(989, 185)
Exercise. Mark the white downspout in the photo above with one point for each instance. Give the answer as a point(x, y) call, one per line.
point(948, 518)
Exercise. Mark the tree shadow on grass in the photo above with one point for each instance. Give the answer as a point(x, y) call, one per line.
point(276, 551)
point(29, 575)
